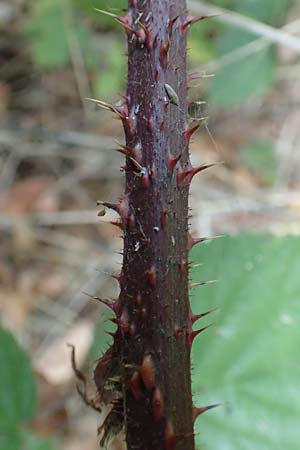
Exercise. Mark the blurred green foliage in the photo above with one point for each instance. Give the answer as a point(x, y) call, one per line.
point(252, 74)
point(248, 360)
point(114, 6)
point(260, 159)
point(18, 398)
point(237, 81)
point(48, 36)
point(234, 82)
point(102, 340)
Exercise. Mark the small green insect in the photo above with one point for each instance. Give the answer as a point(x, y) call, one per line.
point(171, 94)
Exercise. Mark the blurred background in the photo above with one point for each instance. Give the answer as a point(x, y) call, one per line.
point(57, 159)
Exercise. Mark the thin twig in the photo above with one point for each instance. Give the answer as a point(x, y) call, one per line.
point(245, 50)
point(277, 36)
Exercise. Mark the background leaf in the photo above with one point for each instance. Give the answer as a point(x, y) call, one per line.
point(260, 159)
point(247, 77)
point(102, 341)
point(48, 36)
point(18, 400)
point(249, 359)
point(115, 6)
point(268, 11)
point(10, 438)
point(253, 74)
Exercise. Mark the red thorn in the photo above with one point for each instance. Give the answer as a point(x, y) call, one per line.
point(150, 124)
point(183, 174)
point(139, 299)
point(194, 241)
point(163, 218)
point(172, 161)
point(145, 179)
point(147, 372)
point(132, 329)
point(124, 209)
point(157, 404)
point(198, 411)
point(123, 320)
point(152, 173)
point(135, 385)
point(177, 331)
point(120, 279)
point(122, 108)
point(190, 131)
point(162, 125)
point(184, 266)
point(152, 276)
point(156, 74)
point(125, 22)
point(192, 172)
point(193, 76)
point(129, 123)
point(190, 20)
point(143, 313)
point(141, 35)
point(171, 24)
point(192, 334)
point(194, 317)
point(149, 41)
point(180, 177)
point(164, 53)
point(169, 436)
point(131, 221)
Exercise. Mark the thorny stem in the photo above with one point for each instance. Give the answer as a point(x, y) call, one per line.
point(146, 373)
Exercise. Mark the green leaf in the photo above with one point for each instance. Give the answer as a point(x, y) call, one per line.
point(260, 158)
point(249, 359)
point(247, 77)
point(10, 438)
point(18, 400)
point(48, 35)
point(101, 340)
point(16, 438)
point(115, 6)
point(253, 74)
point(268, 11)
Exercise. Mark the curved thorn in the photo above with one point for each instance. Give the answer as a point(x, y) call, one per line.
point(198, 411)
